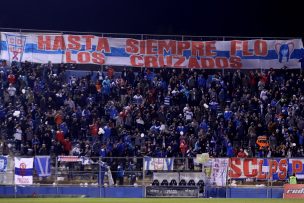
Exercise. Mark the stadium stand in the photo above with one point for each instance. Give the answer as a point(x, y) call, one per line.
point(154, 112)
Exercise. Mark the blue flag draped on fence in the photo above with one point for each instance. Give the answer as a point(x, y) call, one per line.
point(43, 166)
point(3, 163)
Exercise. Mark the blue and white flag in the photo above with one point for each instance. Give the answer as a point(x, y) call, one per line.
point(3, 164)
point(24, 171)
point(86, 160)
point(43, 166)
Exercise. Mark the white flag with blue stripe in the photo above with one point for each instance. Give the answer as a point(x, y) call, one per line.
point(43, 166)
point(24, 171)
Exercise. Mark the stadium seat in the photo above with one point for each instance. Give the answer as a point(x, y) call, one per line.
point(164, 182)
point(173, 182)
point(155, 183)
point(200, 183)
point(182, 182)
point(191, 182)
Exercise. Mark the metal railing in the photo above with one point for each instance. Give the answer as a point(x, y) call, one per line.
point(145, 36)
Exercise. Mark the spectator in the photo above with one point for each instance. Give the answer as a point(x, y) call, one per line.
point(241, 154)
point(179, 112)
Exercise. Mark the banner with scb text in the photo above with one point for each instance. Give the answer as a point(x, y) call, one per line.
point(90, 49)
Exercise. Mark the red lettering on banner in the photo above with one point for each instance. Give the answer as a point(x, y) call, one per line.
point(74, 42)
point(151, 46)
point(256, 166)
point(297, 166)
point(210, 48)
point(246, 51)
point(136, 60)
point(150, 61)
point(132, 46)
point(193, 63)
point(98, 58)
point(168, 46)
point(246, 164)
point(283, 169)
point(162, 62)
point(88, 39)
point(103, 45)
point(273, 167)
point(235, 45)
point(179, 62)
point(235, 62)
point(260, 48)
point(142, 46)
point(44, 44)
point(68, 56)
point(221, 62)
point(23, 180)
point(181, 46)
point(59, 43)
point(208, 62)
point(235, 170)
point(197, 49)
point(261, 174)
point(83, 57)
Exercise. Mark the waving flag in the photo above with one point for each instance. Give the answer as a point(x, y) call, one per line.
point(23, 171)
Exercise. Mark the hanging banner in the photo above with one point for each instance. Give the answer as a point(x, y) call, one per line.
point(24, 171)
point(275, 169)
point(3, 164)
point(218, 175)
point(43, 166)
point(7, 166)
point(70, 159)
point(158, 164)
point(90, 49)
point(296, 165)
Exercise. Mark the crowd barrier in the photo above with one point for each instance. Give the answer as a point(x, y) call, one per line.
point(132, 192)
point(71, 191)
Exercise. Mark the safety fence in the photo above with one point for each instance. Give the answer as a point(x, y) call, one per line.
point(143, 35)
point(147, 176)
point(97, 171)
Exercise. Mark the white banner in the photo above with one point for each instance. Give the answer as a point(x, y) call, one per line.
point(158, 164)
point(24, 171)
point(70, 159)
point(90, 49)
point(219, 171)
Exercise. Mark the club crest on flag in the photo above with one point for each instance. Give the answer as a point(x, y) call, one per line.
point(22, 169)
point(15, 46)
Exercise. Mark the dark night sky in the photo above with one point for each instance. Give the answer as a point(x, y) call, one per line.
point(189, 17)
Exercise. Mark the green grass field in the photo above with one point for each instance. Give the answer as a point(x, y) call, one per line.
point(146, 200)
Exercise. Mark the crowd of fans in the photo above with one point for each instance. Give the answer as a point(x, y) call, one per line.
point(160, 112)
